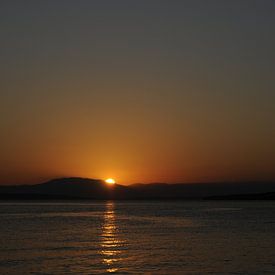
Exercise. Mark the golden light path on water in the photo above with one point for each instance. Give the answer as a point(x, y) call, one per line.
point(110, 243)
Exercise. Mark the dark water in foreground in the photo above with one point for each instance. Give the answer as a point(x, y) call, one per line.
point(149, 237)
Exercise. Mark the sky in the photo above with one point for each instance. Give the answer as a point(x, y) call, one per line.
point(140, 91)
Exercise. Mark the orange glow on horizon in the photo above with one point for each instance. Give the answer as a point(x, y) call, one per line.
point(110, 181)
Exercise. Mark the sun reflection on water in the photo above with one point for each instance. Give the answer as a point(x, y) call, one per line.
point(110, 242)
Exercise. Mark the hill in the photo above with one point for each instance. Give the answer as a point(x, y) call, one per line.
point(65, 188)
point(83, 188)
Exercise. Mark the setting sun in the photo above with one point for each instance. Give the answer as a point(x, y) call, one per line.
point(110, 181)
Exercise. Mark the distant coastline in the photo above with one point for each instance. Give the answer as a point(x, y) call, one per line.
point(259, 196)
point(93, 189)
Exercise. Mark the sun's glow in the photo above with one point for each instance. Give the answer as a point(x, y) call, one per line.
point(110, 181)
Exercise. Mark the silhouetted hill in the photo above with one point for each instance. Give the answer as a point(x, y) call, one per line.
point(65, 188)
point(82, 188)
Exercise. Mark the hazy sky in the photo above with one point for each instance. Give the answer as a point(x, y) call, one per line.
point(142, 91)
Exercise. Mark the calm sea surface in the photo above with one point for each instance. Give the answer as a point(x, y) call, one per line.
point(137, 237)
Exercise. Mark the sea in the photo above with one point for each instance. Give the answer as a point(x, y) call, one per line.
point(137, 237)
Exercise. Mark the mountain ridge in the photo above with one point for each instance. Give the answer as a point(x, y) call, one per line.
point(85, 188)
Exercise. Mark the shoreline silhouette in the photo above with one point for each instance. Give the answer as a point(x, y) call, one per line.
point(75, 188)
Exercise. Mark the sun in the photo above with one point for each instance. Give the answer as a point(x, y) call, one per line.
point(110, 181)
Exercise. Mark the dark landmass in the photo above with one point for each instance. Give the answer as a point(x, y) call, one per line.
point(81, 188)
point(261, 196)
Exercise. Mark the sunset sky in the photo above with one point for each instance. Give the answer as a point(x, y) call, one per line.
point(139, 91)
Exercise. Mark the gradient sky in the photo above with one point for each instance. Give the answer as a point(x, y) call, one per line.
point(142, 91)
